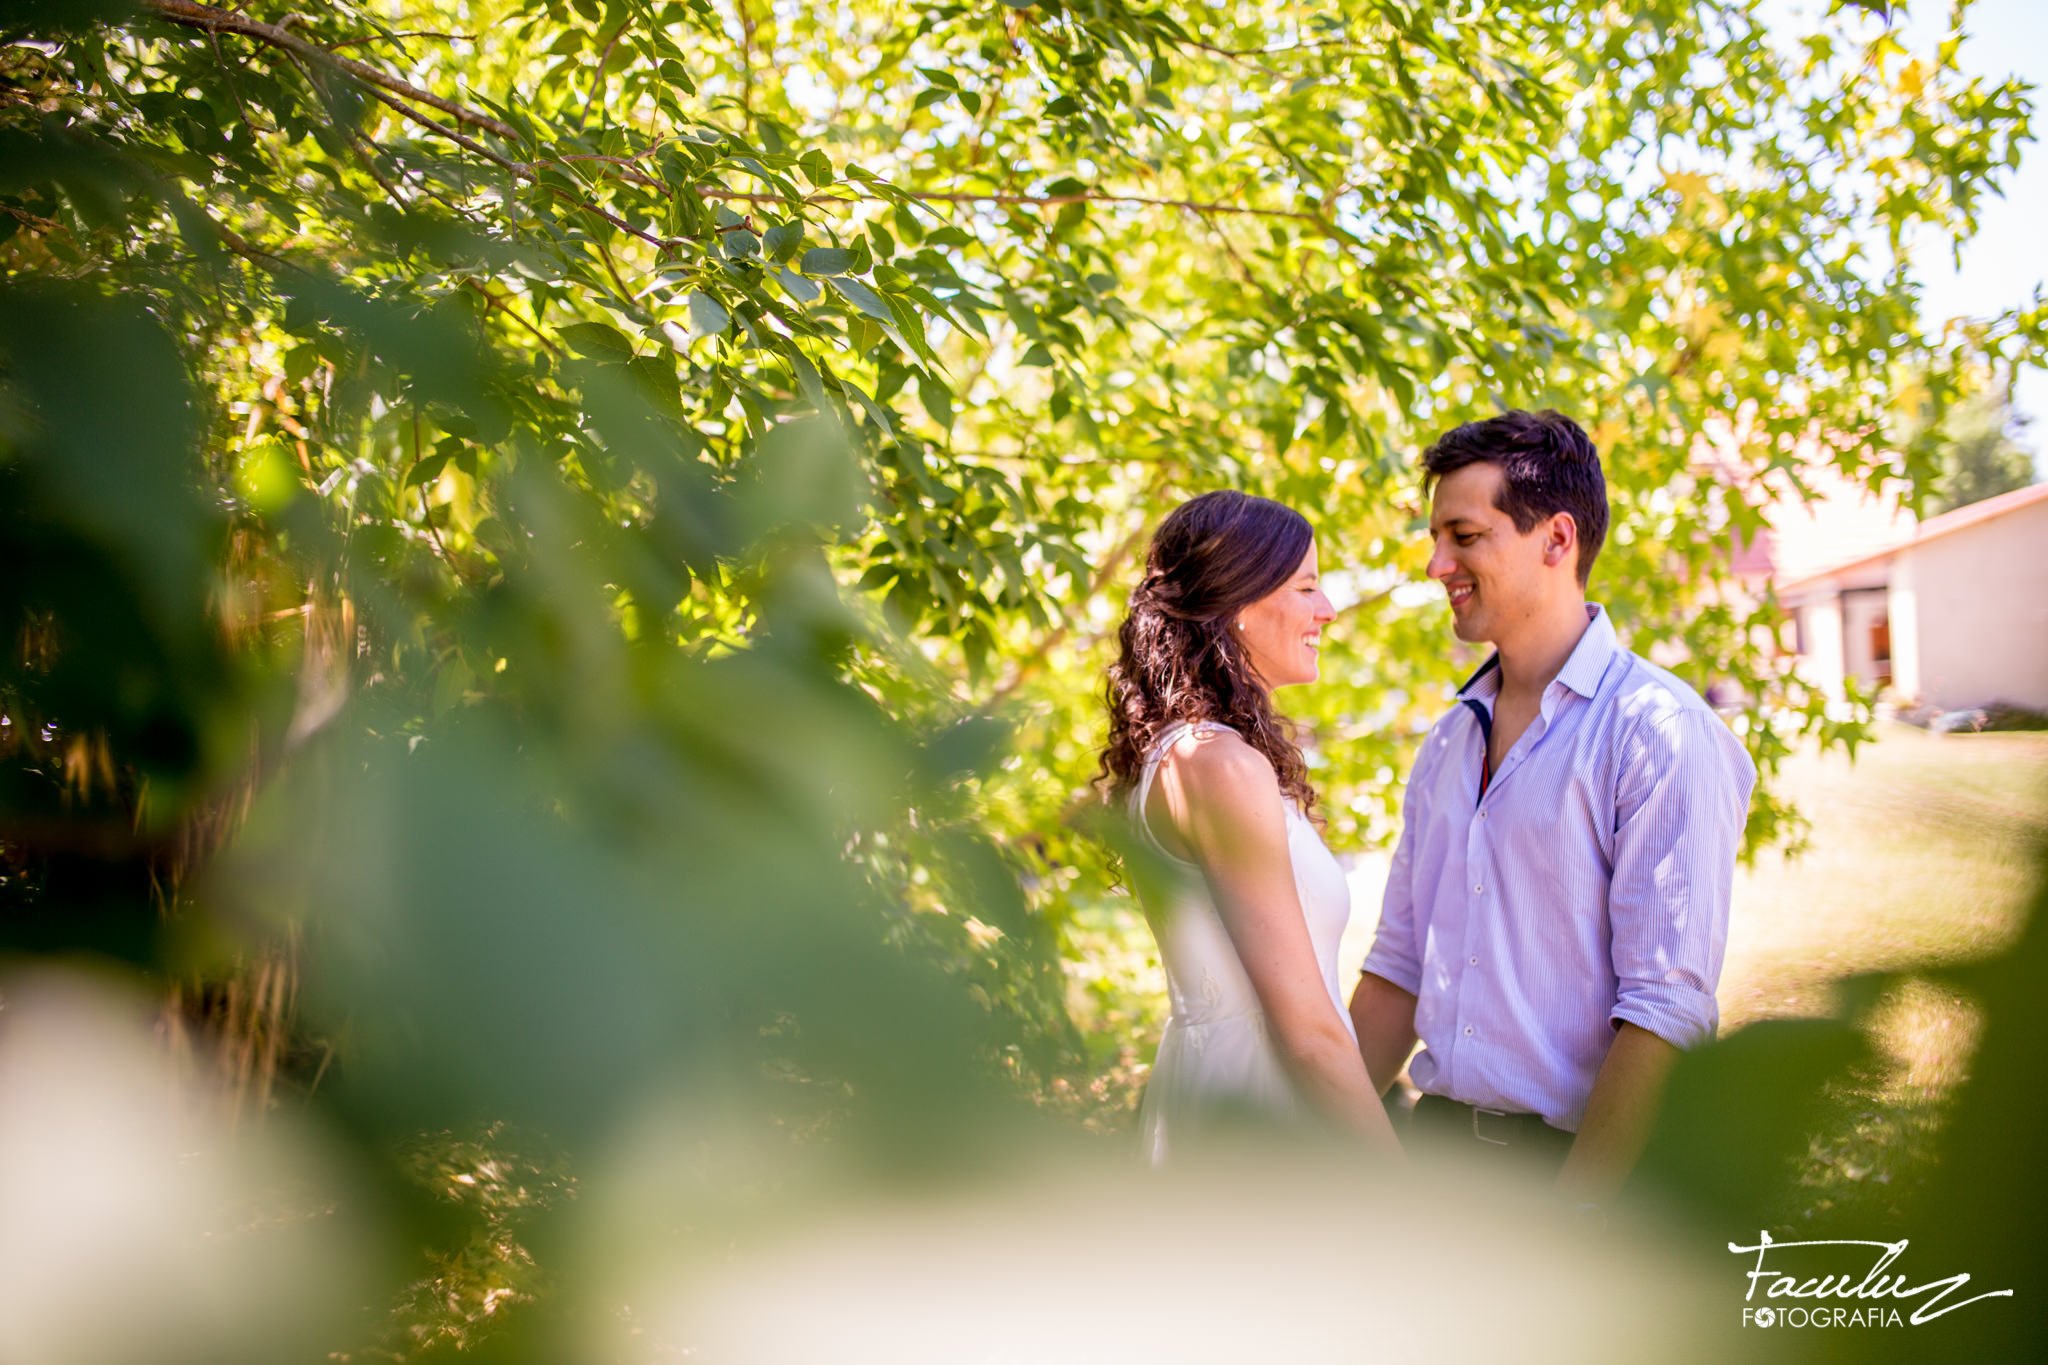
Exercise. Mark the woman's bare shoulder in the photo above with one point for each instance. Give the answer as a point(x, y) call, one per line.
point(1218, 763)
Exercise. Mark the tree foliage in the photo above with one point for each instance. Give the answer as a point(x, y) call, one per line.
point(608, 510)
point(1981, 458)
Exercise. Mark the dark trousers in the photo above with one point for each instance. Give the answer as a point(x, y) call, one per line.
point(1521, 1142)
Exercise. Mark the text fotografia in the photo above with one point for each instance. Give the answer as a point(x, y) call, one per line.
point(1822, 1317)
point(1787, 1269)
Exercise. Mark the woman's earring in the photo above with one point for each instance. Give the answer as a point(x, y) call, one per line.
point(1240, 625)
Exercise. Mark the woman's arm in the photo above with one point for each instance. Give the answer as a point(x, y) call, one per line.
point(1223, 803)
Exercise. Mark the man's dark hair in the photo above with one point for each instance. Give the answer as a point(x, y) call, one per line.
point(1548, 466)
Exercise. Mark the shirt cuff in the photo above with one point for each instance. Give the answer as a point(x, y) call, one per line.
point(1388, 966)
point(1682, 1016)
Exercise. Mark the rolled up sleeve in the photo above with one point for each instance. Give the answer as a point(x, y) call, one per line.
point(1681, 804)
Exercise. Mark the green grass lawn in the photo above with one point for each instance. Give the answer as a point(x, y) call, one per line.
point(1924, 853)
point(1923, 850)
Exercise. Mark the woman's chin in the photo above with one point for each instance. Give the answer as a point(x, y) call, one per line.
point(1308, 673)
point(1273, 676)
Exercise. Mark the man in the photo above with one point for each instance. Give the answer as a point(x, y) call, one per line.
point(1558, 906)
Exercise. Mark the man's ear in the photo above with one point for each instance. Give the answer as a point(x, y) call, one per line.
point(1561, 541)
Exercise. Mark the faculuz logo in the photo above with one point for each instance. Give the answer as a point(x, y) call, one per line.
point(1839, 1298)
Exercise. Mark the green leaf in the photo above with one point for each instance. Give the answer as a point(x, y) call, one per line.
point(808, 380)
point(707, 316)
point(937, 398)
point(783, 241)
point(656, 377)
point(426, 470)
point(803, 290)
point(828, 260)
point(803, 473)
point(113, 470)
point(877, 414)
point(863, 298)
point(597, 340)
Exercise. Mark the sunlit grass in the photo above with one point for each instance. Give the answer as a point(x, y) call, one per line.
point(1924, 854)
point(1877, 1142)
point(497, 1179)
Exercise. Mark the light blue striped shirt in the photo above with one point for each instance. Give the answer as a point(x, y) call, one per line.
point(1589, 887)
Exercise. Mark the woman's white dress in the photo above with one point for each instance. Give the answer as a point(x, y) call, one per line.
point(1215, 1058)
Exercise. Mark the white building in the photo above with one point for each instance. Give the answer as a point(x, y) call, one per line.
point(1953, 615)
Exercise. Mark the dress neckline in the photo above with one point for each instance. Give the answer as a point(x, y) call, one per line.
point(1179, 730)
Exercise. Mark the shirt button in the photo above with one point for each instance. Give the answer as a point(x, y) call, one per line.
point(1472, 962)
point(1478, 890)
point(1468, 1030)
point(1482, 815)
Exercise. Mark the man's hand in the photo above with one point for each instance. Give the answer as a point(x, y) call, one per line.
point(1384, 1016)
point(1619, 1116)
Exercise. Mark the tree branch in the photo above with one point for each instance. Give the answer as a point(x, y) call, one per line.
point(504, 305)
point(366, 150)
point(462, 140)
point(1254, 52)
point(236, 242)
point(1032, 200)
point(628, 171)
point(426, 508)
point(597, 77)
point(208, 19)
point(1230, 249)
point(394, 37)
point(527, 172)
point(746, 58)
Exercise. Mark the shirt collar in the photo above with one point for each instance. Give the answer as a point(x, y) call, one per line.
point(1588, 663)
point(1581, 672)
point(1484, 682)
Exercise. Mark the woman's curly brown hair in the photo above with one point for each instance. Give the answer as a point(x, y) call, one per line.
point(1213, 556)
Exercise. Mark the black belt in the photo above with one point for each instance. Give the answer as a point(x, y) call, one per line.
point(1454, 1119)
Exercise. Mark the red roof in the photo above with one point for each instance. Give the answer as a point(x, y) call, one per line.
point(1939, 526)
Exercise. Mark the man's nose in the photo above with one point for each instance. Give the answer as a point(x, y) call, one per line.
point(1440, 563)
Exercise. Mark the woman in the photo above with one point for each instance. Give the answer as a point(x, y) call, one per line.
point(1231, 608)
